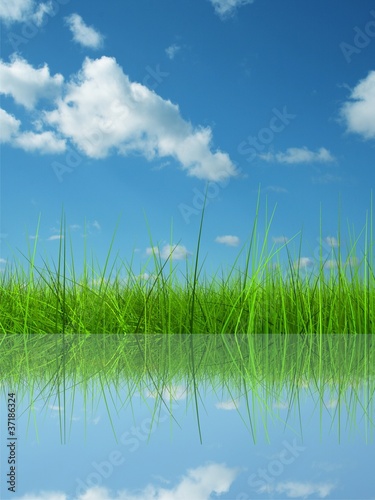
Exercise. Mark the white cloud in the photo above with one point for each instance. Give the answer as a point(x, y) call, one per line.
point(9, 126)
point(294, 489)
point(280, 239)
point(3, 261)
point(83, 34)
point(281, 405)
point(96, 225)
point(103, 111)
point(227, 405)
point(198, 484)
point(15, 10)
point(173, 392)
point(303, 262)
point(226, 8)
point(299, 155)
point(172, 50)
point(152, 251)
point(359, 112)
point(55, 237)
point(20, 11)
point(232, 241)
point(330, 264)
point(331, 241)
point(26, 84)
point(42, 10)
point(45, 142)
point(179, 252)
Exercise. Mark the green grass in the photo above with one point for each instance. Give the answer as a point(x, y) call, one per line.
point(260, 297)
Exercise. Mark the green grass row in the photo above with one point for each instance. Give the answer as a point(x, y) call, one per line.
point(259, 297)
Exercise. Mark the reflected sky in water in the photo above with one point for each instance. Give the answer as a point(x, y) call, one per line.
point(297, 453)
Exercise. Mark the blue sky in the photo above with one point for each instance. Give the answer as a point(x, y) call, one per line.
point(164, 460)
point(125, 111)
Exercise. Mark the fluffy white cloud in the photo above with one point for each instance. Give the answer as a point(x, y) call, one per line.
point(232, 241)
point(15, 10)
point(197, 484)
point(44, 142)
point(359, 112)
point(103, 111)
point(83, 34)
point(26, 84)
point(9, 126)
point(299, 155)
point(172, 50)
point(226, 8)
point(177, 252)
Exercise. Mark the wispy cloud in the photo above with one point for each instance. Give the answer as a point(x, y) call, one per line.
point(226, 8)
point(330, 264)
point(231, 241)
point(331, 241)
point(228, 405)
point(280, 239)
point(55, 237)
point(172, 50)
point(173, 392)
point(326, 179)
point(359, 112)
point(20, 11)
point(299, 155)
point(201, 483)
point(294, 489)
point(281, 405)
point(85, 35)
point(276, 189)
point(303, 262)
